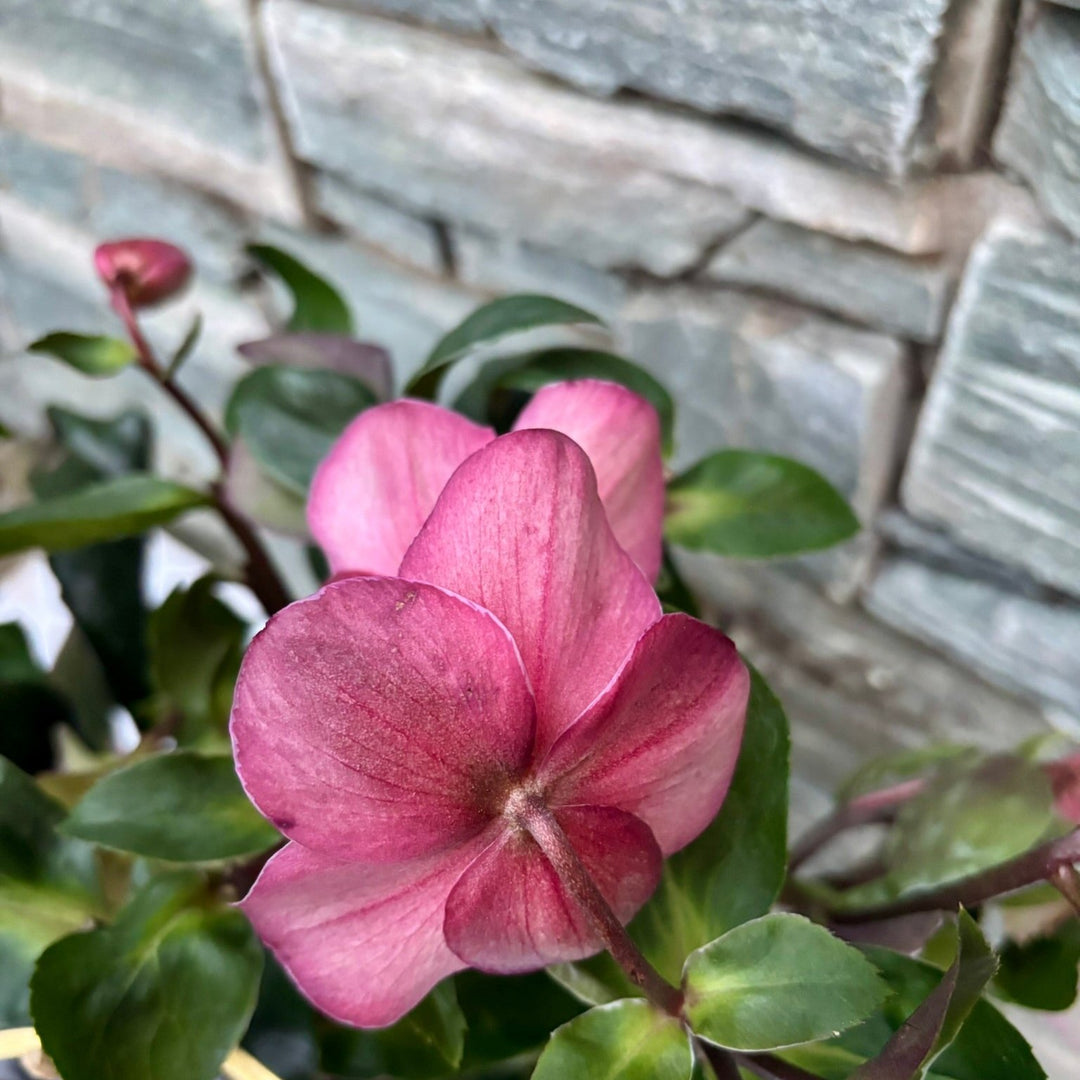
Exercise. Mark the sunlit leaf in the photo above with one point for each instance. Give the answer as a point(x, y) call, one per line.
point(317, 305)
point(91, 354)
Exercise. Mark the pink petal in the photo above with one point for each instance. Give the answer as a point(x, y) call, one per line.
point(363, 943)
point(509, 912)
point(381, 719)
point(520, 530)
point(620, 431)
point(378, 484)
point(662, 741)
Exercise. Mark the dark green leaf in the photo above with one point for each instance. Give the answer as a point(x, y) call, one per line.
point(48, 886)
point(626, 1040)
point(749, 505)
point(258, 497)
point(988, 1047)
point(674, 593)
point(734, 870)
point(106, 511)
point(182, 807)
point(317, 305)
point(185, 348)
point(507, 1016)
point(528, 372)
point(1042, 973)
point(968, 819)
point(30, 709)
point(427, 1042)
point(938, 1019)
point(777, 981)
point(281, 1034)
point(290, 417)
point(165, 992)
point(196, 643)
point(508, 315)
point(91, 354)
point(102, 583)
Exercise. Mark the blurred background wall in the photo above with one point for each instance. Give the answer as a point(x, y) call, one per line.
point(845, 230)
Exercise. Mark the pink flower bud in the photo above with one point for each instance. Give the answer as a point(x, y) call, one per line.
point(146, 271)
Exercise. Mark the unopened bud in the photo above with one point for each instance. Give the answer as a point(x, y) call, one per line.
point(146, 271)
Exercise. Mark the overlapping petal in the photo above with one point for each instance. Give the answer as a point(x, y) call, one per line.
point(510, 912)
point(620, 432)
point(378, 484)
point(381, 719)
point(520, 530)
point(663, 739)
point(364, 943)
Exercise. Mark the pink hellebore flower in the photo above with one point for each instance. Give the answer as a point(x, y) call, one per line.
point(378, 484)
point(1065, 779)
point(411, 736)
point(144, 271)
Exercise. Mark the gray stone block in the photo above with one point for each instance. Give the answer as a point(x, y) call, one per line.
point(845, 77)
point(451, 128)
point(772, 376)
point(457, 14)
point(148, 83)
point(898, 294)
point(1039, 134)
point(506, 265)
point(376, 221)
point(1026, 644)
point(996, 455)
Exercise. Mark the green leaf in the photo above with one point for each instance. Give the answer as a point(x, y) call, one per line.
point(282, 1034)
point(734, 870)
point(48, 886)
point(290, 417)
point(749, 505)
point(894, 768)
point(938, 1020)
point(674, 594)
point(30, 709)
point(626, 1040)
point(185, 348)
point(102, 583)
point(508, 315)
point(317, 305)
point(987, 1047)
point(1042, 973)
point(528, 372)
point(508, 1016)
point(427, 1042)
point(123, 507)
point(165, 992)
point(969, 819)
point(196, 643)
point(91, 354)
point(777, 981)
point(183, 807)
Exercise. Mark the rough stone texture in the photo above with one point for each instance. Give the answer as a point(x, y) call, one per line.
point(457, 14)
point(405, 311)
point(375, 221)
point(1039, 134)
point(503, 265)
point(453, 129)
point(996, 457)
point(177, 90)
point(853, 688)
point(845, 76)
point(772, 376)
point(1028, 645)
point(891, 292)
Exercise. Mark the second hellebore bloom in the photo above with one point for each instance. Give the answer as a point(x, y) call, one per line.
point(414, 737)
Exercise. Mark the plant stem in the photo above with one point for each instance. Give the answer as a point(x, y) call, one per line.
point(262, 577)
point(877, 806)
point(1044, 863)
point(720, 1061)
point(530, 813)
